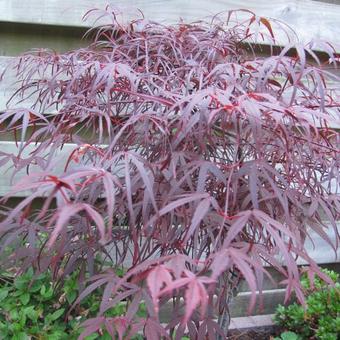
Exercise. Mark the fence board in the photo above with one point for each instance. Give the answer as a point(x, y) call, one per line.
point(310, 19)
point(18, 38)
point(6, 179)
point(239, 305)
point(7, 88)
point(320, 251)
point(60, 160)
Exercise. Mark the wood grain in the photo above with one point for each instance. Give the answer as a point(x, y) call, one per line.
point(6, 180)
point(8, 87)
point(310, 19)
point(16, 38)
point(320, 250)
point(239, 305)
point(12, 148)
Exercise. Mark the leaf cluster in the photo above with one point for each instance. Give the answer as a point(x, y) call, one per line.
point(195, 163)
point(31, 307)
point(321, 317)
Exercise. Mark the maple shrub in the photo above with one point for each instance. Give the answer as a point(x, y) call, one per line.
point(192, 163)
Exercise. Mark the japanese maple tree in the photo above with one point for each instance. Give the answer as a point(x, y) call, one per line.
point(196, 163)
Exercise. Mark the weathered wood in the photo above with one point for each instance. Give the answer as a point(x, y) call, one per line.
point(10, 147)
point(6, 180)
point(8, 87)
point(250, 322)
point(271, 299)
point(310, 19)
point(18, 38)
point(277, 277)
point(239, 305)
point(320, 251)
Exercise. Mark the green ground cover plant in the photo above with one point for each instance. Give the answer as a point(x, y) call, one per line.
point(321, 317)
point(31, 307)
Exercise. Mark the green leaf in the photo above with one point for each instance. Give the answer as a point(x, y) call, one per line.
point(36, 286)
point(14, 315)
point(24, 298)
point(120, 272)
point(42, 290)
point(31, 313)
point(8, 304)
point(20, 336)
point(4, 331)
point(71, 296)
point(21, 283)
point(3, 293)
point(29, 273)
point(47, 294)
point(16, 327)
point(289, 336)
point(17, 292)
point(35, 330)
point(106, 336)
point(22, 320)
point(91, 337)
point(57, 314)
point(57, 335)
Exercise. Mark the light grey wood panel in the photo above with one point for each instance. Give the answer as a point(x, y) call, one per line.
point(18, 38)
point(6, 180)
point(239, 324)
point(278, 277)
point(8, 87)
point(320, 251)
point(272, 297)
point(310, 19)
point(239, 305)
point(11, 148)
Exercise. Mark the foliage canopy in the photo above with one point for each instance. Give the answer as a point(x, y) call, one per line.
point(197, 162)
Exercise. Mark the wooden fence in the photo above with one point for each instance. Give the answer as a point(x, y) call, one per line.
point(58, 24)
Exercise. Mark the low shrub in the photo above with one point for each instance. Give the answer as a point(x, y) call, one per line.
point(32, 308)
point(194, 163)
point(320, 319)
point(287, 336)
